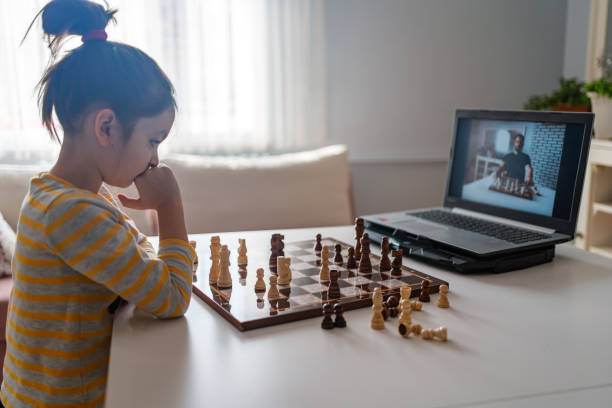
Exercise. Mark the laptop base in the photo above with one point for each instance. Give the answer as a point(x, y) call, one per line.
point(429, 252)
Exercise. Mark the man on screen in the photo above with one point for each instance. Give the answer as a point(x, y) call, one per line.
point(517, 164)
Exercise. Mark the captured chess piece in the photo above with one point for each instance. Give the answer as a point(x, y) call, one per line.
point(339, 321)
point(324, 271)
point(333, 290)
point(416, 305)
point(215, 247)
point(405, 292)
point(351, 263)
point(377, 322)
point(338, 257)
point(440, 333)
point(318, 247)
point(407, 330)
point(225, 278)
point(273, 291)
point(392, 305)
point(260, 284)
point(427, 334)
point(443, 300)
point(243, 260)
point(405, 320)
point(359, 229)
point(194, 268)
point(424, 295)
point(397, 262)
point(327, 322)
point(385, 262)
point(284, 270)
point(365, 265)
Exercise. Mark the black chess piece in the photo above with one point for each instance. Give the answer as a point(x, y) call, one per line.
point(359, 229)
point(318, 247)
point(424, 295)
point(338, 258)
point(365, 265)
point(333, 290)
point(351, 263)
point(327, 322)
point(385, 262)
point(392, 304)
point(339, 321)
point(397, 262)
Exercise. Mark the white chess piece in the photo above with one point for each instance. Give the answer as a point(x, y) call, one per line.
point(284, 272)
point(377, 322)
point(215, 247)
point(260, 284)
point(242, 253)
point(225, 278)
point(324, 273)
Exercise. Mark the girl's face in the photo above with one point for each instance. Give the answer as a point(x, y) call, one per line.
point(139, 152)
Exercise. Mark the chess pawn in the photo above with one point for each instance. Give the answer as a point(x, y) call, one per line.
point(416, 329)
point(377, 322)
point(416, 305)
point(284, 272)
point(242, 250)
point(327, 322)
point(392, 304)
point(333, 291)
point(339, 321)
point(215, 247)
point(405, 292)
point(260, 284)
point(427, 334)
point(194, 267)
point(338, 257)
point(405, 320)
point(273, 291)
point(443, 300)
point(424, 295)
point(440, 333)
point(318, 246)
point(324, 272)
point(351, 263)
point(385, 262)
point(225, 278)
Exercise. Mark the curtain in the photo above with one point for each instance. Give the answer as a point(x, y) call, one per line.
point(249, 74)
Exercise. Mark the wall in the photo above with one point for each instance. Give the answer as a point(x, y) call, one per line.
point(398, 69)
point(576, 38)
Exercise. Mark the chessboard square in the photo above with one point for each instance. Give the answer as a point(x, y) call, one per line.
point(310, 272)
point(369, 287)
point(350, 291)
point(304, 299)
point(345, 273)
point(344, 284)
point(307, 258)
point(394, 283)
point(375, 276)
point(360, 280)
point(303, 281)
point(296, 274)
point(412, 279)
point(301, 265)
point(314, 288)
point(293, 291)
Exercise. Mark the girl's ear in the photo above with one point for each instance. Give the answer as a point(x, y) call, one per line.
point(106, 127)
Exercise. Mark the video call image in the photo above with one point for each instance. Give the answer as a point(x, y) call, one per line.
point(514, 165)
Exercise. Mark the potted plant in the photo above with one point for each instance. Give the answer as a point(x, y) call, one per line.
point(600, 93)
point(569, 97)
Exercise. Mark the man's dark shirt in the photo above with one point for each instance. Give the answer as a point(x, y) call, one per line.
point(515, 164)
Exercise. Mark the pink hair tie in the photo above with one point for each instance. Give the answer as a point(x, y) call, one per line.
point(94, 35)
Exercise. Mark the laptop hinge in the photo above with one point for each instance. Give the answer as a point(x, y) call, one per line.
point(502, 220)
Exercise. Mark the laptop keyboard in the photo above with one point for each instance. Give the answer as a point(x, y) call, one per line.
point(491, 229)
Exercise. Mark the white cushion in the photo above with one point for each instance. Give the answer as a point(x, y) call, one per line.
point(292, 190)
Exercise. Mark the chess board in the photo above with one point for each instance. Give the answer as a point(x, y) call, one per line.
point(305, 295)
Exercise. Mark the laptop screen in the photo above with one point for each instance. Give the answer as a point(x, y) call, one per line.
point(511, 167)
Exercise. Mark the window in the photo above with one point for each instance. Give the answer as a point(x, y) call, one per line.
point(249, 75)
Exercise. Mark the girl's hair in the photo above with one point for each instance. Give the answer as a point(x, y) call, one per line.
point(97, 74)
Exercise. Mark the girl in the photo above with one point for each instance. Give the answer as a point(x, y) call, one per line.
point(76, 251)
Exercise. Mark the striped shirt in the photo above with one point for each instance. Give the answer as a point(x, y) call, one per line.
point(75, 253)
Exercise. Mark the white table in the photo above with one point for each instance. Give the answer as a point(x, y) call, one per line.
point(536, 337)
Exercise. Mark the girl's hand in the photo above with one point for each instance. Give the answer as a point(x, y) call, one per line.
point(157, 188)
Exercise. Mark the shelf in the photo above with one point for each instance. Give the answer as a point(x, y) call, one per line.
point(602, 207)
point(602, 250)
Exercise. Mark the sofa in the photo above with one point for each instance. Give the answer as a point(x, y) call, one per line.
point(222, 194)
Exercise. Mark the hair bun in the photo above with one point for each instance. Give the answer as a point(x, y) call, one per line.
point(61, 17)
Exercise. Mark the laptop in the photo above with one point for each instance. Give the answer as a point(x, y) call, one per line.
point(514, 183)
